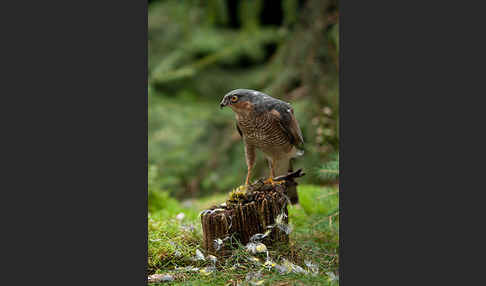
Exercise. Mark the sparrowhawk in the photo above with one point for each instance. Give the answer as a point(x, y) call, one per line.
point(267, 124)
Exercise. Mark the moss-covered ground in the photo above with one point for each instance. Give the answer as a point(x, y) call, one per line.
point(175, 235)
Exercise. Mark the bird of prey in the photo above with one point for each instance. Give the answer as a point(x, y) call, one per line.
point(267, 124)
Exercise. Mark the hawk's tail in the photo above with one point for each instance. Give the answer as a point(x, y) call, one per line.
point(299, 153)
point(283, 167)
point(296, 153)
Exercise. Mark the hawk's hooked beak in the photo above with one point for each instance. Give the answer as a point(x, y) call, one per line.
point(223, 103)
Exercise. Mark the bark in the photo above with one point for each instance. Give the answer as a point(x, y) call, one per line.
point(247, 214)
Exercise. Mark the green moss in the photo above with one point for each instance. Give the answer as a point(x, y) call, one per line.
point(238, 194)
point(172, 242)
point(318, 200)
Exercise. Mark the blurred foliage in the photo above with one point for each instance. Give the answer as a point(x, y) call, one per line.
point(329, 171)
point(158, 200)
point(200, 50)
point(318, 200)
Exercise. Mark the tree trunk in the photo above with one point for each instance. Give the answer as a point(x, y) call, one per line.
point(246, 214)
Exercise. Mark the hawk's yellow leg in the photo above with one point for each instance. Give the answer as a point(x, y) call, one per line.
point(247, 181)
point(272, 175)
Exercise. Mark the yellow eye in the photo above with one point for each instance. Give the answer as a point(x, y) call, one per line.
point(234, 98)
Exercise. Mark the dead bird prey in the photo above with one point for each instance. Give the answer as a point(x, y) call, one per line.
point(267, 124)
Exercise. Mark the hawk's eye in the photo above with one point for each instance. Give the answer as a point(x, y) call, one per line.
point(234, 98)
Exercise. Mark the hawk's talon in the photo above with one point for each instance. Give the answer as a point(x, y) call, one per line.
point(271, 181)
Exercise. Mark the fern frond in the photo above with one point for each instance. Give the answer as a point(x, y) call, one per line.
point(329, 170)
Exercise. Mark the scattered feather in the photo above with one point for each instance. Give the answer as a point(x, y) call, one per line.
point(199, 255)
point(314, 268)
point(281, 269)
point(155, 278)
point(292, 267)
point(253, 275)
point(187, 268)
point(204, 212)
point(237, 266)
point(259, 236)
point(180, 216)
point(254, 259)
point(269, 264)
point(285, 228)
point(210, 211)
point(256, 247)
point(207, 270)
point(231, 222)
point(251, 247)
point(280, 224)
point(280, 218)
point(260, 247)
point(213, 259)
point(217, 244)
point(332, 276)
point(254, 278)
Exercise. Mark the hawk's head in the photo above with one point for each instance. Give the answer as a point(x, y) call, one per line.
point(242, 99)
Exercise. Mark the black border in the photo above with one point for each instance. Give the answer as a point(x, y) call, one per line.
point(408, 115)
point(341, 170)
point(76, 161)
point(75, 129)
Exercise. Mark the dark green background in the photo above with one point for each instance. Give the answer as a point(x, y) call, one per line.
point(199, 50)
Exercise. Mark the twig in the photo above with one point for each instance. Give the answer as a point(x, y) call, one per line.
point(291, 175)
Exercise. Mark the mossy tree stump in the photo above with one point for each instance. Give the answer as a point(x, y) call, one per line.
point(247, 213)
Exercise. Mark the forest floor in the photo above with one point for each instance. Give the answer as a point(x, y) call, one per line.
point(311, 258)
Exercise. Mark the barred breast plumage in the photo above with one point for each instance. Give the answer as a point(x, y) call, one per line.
point(268, 124)
point(263, 132)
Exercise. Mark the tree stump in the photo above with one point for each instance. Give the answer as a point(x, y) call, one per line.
point(247, 213)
